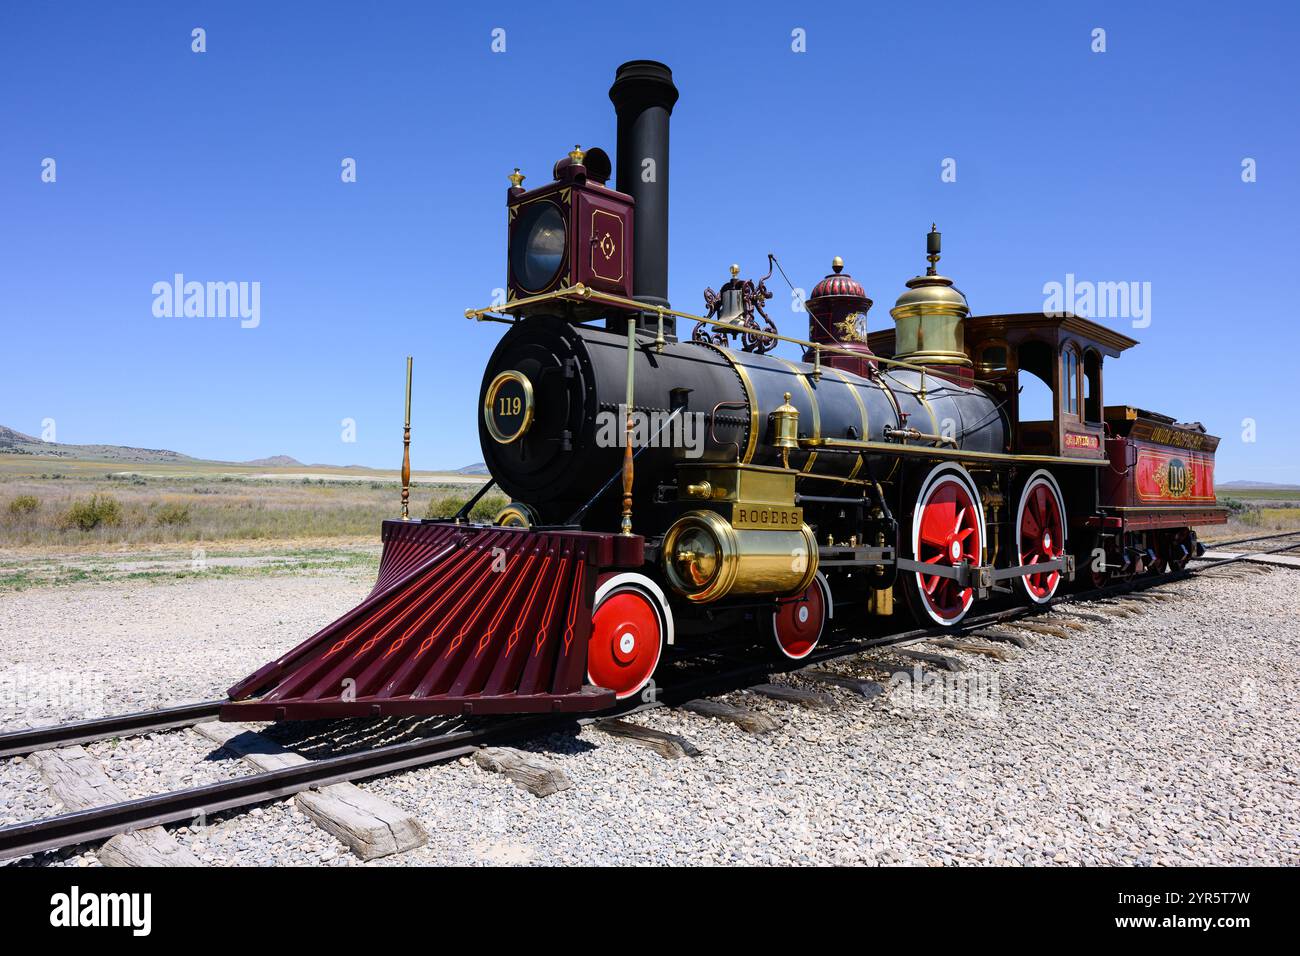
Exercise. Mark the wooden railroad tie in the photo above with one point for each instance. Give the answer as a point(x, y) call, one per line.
point(1069, 622)
point(1053, 630)
point(368, 825)
point(1135, 608)
point(997, 653)
point(938, 660)
point(78, 781)
point(1117, 610)
point(670, 746)
point(794, 695)
point(1007, 637)
point(861, 686)
point(1088, 616)
point(746, 720)
point(535, 774)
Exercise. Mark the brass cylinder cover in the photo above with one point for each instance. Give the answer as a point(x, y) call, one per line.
point(706, 559)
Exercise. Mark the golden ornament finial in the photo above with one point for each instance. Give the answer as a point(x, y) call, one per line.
point(577, 155)
point(837, 264)
point(517, 178)
point(735, 270)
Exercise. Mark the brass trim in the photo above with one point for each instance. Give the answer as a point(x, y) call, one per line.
point(622, 255)
point(816, 409)
point(581, 291)
point(862, 412)
point(895, 465)
point(1190, 507)
point(954, 454)
point(751, 442)
point(490, 397)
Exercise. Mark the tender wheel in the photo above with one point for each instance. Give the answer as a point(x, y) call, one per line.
point(1180, 547)
point(1162, 545)
point(797, 623)
point(1040, 524)
point(947, 529)
point(630, 625)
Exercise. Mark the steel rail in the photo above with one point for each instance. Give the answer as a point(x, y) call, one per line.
point(70, 829)
point(20, 743)
point(84, 826)
point(1262, 537)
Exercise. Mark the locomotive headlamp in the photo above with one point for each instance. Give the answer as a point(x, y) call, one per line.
point(538, 246)
point(572, 231)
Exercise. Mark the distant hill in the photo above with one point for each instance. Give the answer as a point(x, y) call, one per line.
point(478, 468)
point(275, 460)
point(1257, 486)
point(14, 442)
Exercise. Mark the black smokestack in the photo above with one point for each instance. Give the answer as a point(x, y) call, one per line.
point(643, 95)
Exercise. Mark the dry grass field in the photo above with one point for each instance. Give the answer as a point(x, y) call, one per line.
point(1257, 511)
point(62, 519)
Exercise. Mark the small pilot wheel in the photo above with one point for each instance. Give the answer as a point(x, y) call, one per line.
point(947, 531)
point(1040, 524)
point(797, 623)
point(629, 628)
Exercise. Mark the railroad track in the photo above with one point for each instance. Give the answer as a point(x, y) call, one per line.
point(71, 829)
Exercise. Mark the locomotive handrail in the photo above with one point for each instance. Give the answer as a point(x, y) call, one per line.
point(933, 451)
point(581, 291)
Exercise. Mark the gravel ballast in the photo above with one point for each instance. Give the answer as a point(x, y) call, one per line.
point(1166, 737)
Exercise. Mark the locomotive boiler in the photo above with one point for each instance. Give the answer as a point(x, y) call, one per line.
point(678, 479)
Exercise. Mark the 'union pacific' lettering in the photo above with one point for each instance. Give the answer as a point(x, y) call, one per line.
point(1177, 438)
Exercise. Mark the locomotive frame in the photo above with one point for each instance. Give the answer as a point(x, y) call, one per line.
point(886, 467)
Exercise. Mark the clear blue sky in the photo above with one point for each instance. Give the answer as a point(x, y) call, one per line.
point(225, 166)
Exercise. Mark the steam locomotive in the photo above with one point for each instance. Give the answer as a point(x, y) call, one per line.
point(671, 488)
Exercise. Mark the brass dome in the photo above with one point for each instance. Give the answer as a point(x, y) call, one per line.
point(930, 317)
point(928, 294)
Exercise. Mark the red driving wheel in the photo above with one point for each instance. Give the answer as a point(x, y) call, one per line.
point(946, 531)
point(1040, 523)
point(798, 622)
point(628, 632)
